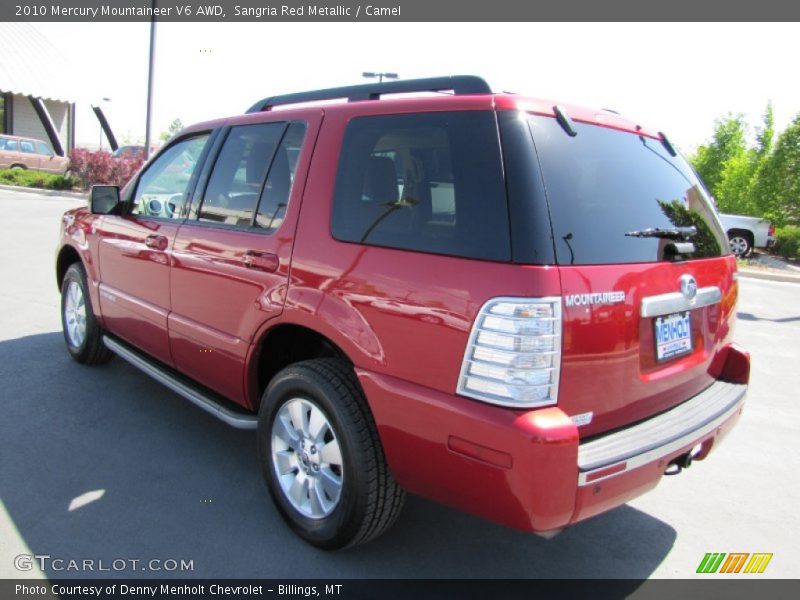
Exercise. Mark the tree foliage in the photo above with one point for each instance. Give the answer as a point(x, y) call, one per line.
point(777, 190)
point(173, 128)
point(759, 180)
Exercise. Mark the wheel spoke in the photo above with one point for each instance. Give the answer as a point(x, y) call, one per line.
point(286, 462)
point(297, 491)
point(316, 497)
point(297, 411)
point(284, 431)
point(317, 424)
point(331, 453)
point(331, 483)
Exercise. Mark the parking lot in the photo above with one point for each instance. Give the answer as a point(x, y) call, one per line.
point(168, 481)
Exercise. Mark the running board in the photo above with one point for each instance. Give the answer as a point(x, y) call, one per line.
point(237, 419)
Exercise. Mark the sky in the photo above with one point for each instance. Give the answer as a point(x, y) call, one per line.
point(674, 77)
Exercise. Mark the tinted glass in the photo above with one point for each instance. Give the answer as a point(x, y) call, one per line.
point(603, 184)
point(161, 189)
point(429, 182)
point(10, 145)
point(27, 147)
point(275, 194)
point(236, 183)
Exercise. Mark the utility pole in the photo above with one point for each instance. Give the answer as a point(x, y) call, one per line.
point(150, 82)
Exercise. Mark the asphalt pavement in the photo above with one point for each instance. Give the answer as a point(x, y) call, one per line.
point(104, 464)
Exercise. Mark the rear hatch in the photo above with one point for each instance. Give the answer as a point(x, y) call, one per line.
point(647, 279)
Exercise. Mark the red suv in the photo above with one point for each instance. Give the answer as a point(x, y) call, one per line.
point(518, 309)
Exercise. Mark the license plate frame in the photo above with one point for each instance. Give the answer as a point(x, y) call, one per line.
point(670, 342)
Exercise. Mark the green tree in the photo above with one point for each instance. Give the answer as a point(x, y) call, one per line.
point(728, 167)
point(777, 191)
point(174, 128)
point(766, 133)
point(727, 143)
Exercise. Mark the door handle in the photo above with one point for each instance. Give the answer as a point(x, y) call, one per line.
point(156, 242)
point(263, 261)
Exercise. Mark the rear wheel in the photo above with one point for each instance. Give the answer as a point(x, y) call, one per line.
point(322, 458)
point(82, 333)
point(740, 242)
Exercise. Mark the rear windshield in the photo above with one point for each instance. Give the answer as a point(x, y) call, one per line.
point(606, 187)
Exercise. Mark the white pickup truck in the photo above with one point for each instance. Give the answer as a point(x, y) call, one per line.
point(746, 233)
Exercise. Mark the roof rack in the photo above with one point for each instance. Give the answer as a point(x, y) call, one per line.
point(460, 84)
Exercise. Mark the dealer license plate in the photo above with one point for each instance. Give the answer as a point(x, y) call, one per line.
point(673, 336)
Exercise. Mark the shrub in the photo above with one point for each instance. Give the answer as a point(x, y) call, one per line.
point(36, 179)
point(787, 241)
point(93, 168)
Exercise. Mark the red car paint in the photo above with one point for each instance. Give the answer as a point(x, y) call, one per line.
point(193, 300)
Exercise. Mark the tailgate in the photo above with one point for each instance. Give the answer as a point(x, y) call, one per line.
point(633, 344)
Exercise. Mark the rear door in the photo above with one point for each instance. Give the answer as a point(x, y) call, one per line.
point(232, 256)
point(135, 249)
point(30, 158)
point(647, 278)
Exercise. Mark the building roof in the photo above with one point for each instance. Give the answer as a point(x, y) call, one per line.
point(31, 65)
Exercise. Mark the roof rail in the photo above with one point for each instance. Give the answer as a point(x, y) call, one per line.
point(460, 84)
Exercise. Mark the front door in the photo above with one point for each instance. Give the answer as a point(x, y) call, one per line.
point(136, 247)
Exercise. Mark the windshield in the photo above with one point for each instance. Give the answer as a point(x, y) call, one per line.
point(604, 186)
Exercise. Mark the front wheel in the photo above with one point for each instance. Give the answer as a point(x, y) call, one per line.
point(82, 333)
point(322, 458)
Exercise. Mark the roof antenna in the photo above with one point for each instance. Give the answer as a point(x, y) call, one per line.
point(563, 119)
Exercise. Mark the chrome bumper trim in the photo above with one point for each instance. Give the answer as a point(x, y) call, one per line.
point(663, 434)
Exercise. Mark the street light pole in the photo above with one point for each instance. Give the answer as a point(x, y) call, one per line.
point(379, 76)
point(150, 82)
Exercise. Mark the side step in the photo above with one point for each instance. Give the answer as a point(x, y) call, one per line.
point(205, 400)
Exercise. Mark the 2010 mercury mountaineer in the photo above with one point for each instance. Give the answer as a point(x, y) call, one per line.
point(519, 309)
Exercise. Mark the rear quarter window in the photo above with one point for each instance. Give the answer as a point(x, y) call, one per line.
point(429, 182)
point(603, 184)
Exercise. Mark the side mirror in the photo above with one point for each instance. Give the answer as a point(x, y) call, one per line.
point(103, 199)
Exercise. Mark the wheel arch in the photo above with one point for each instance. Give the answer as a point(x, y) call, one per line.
point(281, 345)
point(66, 256)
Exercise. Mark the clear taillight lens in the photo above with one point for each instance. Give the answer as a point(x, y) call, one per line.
point(513, 356)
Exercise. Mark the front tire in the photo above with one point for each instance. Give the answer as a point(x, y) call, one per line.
point(82, 333)
point(322, 458)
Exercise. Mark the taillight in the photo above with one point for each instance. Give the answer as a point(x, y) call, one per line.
point(771, 231)
point(513, 356)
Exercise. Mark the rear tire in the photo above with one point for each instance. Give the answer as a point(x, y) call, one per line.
point(82, 333)
point(741, 243)
point(322, 458)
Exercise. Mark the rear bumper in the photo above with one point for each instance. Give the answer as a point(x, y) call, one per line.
point(529, 470)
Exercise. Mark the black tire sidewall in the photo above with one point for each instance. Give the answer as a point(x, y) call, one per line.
point(77, 274)
point(343, 524)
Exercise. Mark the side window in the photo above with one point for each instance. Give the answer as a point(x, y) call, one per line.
point(236, 182)
point(27, 147)
point(11, 145)
point(275, 195)
point(161, 189)
point(42, 148)
point(428, 182)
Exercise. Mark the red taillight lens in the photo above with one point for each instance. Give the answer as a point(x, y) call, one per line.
point(771, 230)
point(736, 368)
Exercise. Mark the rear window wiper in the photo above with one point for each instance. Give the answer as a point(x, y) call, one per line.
point(671, 233)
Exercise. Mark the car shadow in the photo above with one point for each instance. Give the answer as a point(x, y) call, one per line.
point(103, 463)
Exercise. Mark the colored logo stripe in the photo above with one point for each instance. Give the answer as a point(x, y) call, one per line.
point(713, 562)
point(758, 563)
